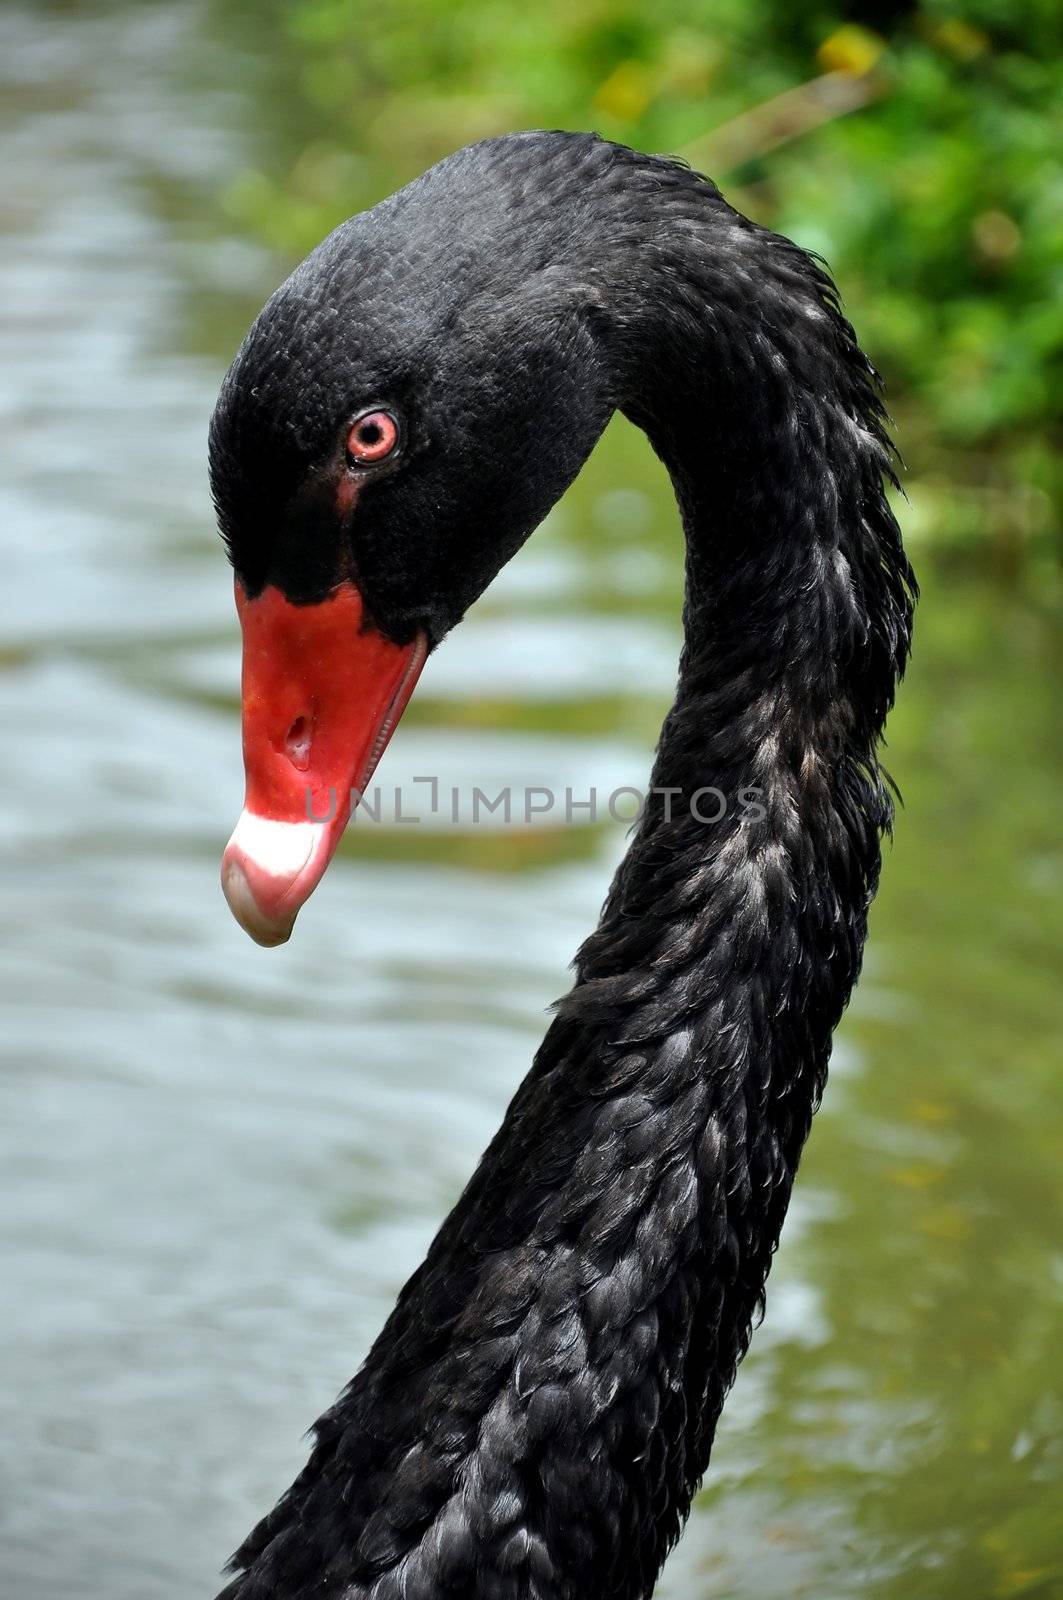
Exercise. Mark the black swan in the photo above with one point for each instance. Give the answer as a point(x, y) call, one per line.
point(538, 1411)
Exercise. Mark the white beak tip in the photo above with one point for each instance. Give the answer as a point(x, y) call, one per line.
point(264, 930)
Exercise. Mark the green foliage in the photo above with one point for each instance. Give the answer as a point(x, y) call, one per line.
point(915, 147)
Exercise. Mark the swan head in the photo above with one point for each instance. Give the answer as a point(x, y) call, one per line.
point(403, 412)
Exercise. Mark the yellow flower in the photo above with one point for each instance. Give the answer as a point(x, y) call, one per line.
point(626, 92)
point(850, 49)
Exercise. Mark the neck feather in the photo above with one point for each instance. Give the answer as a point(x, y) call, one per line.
point(750, 384)
point(539, 1408)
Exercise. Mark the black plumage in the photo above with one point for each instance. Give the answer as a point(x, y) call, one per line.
point(537, 1412)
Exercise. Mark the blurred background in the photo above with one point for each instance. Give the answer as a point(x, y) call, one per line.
point(221, 1163)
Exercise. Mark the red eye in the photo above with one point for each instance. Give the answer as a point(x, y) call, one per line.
point(373, 437)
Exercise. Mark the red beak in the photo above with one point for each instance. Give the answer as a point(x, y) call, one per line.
point(322, 693)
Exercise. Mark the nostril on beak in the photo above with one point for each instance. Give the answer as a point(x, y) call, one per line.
point(297, 743)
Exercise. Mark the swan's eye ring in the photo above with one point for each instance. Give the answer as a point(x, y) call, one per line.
point(373, 437)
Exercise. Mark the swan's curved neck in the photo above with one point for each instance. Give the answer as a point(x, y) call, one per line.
point(797, 618)
point(537, 1412)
